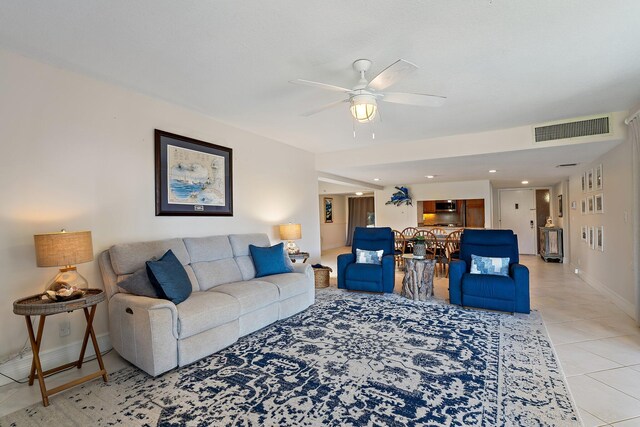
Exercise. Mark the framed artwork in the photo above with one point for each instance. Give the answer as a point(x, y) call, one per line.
point(328, 209)
point(590, 204)
point(590, 180)
point(192, 177)
point(600, 238)
point(559, 205)
point(583, 206)
point(592, 237)
point(583, 234)
point(598, 177)
point(584, 182)
point(598, 203)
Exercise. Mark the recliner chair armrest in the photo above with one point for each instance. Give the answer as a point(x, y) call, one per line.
point(520, 275)
point(388, 273)
point(456, 269)
point(343, 261)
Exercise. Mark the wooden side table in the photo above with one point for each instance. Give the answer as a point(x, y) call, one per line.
point(36, 306)
point(418, 278)
point(300, 255)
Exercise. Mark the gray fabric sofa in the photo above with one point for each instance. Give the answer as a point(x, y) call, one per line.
point(227, 301)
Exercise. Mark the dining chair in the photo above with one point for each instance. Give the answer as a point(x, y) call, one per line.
point(409, 233)
point(399, 244)
point(441, 253)
point(452, 247)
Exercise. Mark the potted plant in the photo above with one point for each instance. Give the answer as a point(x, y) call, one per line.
point(419, 247)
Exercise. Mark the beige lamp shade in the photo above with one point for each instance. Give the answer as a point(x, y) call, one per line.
point(290, 231)
point(63, 248)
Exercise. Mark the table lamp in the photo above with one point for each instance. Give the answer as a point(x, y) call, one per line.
point(64, 249)
point(291, 232)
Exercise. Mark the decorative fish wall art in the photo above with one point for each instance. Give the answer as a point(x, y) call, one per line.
point(400, 197)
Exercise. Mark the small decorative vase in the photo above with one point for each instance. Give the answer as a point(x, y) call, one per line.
point(419, 249)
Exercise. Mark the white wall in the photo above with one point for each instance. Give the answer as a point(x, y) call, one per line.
point(610, 271)
point(79, 153)
point(400, 217)
point(334, 234)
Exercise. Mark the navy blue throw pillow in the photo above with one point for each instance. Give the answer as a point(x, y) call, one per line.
point(269, 260)
point(169, 278)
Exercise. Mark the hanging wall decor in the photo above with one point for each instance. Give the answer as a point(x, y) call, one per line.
point(400, 197)
point(328, 210)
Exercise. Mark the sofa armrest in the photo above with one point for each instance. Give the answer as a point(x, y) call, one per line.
point(457, 268)
point(343, 261)
point(307, 270)
point(144, 331)
point(388, 273)
point(520, 275)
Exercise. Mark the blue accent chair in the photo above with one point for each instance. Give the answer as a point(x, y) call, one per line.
point(486, 290)
point(368, 277)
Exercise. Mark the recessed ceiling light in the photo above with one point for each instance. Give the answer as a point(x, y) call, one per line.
point(359, 193)
point(376, 179)
point(525, 182)
point(429, 176)
point(493, 171)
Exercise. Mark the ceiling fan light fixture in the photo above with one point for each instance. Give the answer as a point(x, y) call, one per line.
point(363, 108)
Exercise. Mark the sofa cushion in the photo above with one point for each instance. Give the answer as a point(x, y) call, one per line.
point(169, 278)
point(488, 286)
point(127, 258)
point(138, 283)
point(369, 257)
point(252, 295)
point(210, 248)
point(269, 260)
point(364, 272)
point(289, 284)
point(240, 242)
point(205, 310)
point(214, 273)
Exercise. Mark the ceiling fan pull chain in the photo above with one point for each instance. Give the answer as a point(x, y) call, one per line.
point(353, 123)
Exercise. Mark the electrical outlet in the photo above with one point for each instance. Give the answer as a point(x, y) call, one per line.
point(65, 327)
point(577, 271)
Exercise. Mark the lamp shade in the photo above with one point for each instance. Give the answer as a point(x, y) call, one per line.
point(63, 248)
point(290, 231)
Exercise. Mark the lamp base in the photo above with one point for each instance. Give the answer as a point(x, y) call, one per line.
point(66, 285)
point(292, 248)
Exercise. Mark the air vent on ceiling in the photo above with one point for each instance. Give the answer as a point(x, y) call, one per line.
point(593, 126)
point(566, 165)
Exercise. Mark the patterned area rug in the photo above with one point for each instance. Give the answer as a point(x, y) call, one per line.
point(350, 360)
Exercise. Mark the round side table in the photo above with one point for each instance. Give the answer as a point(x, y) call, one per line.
point(418, 278)
point(36, 306)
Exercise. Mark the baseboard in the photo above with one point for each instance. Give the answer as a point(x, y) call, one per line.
point(19, 368)
point(620, 302)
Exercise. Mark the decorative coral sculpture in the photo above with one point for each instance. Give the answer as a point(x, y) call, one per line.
point(400, 197)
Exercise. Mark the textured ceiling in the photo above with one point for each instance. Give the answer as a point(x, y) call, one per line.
point(501, 63)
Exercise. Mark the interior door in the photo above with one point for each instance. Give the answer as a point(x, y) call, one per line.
point(518, 213)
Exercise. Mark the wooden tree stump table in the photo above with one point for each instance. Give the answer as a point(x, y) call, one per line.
point(418, 278)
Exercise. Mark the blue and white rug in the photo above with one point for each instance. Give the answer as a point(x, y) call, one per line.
point(350, 360)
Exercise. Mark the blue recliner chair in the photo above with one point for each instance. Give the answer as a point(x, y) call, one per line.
point(486, 290)
point(368, 277)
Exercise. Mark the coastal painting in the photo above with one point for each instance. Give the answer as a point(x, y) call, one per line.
point(192, 177)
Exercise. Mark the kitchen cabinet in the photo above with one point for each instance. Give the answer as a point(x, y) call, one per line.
point(429, 206)
point(474, 215)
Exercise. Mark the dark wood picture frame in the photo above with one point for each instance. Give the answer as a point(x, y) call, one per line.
point(193, 188)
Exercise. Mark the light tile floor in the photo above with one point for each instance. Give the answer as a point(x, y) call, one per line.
point(597, 344)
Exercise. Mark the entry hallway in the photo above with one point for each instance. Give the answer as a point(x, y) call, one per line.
point(597, 343)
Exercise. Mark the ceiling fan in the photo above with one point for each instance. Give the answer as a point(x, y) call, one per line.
point(364, 96)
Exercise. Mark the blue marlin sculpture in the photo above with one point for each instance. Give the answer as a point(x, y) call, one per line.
point(400, 197)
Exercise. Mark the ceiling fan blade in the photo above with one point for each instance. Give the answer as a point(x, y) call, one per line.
point(324, 107)
point(419, 99)
point(320, 85)
point(392, 74)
